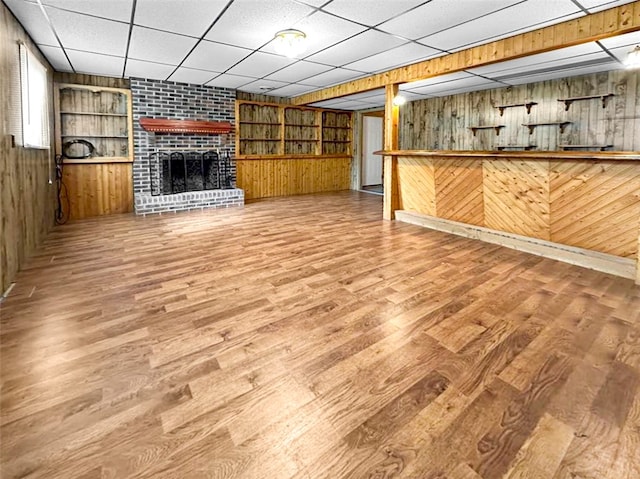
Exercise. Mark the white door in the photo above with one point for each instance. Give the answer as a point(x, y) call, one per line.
point(371, 141)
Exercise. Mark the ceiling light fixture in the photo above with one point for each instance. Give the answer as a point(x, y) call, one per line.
point(289, 43)
point(399, 100)
point(633, 58)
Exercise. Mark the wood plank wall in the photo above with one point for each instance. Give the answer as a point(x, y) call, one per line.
point(93, 80)
point(585, 203)
point(443, 123)
point(26, 198)
point(266, 177)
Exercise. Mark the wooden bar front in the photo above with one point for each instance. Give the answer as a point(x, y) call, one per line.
point(589, 200)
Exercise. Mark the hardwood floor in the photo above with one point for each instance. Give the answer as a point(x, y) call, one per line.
point(306, 338)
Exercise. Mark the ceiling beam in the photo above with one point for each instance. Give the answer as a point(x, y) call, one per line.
point(596, 26)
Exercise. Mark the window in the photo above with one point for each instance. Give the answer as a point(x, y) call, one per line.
point(35, 104)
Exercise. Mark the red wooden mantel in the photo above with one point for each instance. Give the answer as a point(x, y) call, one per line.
point(164, 125)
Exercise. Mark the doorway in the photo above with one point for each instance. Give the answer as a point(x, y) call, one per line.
point(372, 140)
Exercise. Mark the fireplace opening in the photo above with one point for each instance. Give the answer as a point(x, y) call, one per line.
point(182, 171)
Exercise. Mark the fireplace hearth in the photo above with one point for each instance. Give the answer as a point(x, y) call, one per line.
point(183, 171)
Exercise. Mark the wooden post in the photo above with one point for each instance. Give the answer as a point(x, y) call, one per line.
point(391, 116)
point(638, 260)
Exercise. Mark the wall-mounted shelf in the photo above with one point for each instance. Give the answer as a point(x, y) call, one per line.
point(527, 105)
point(561, 124)
point(515, 147)
point(497, 128)
point(569, 101)
point(585, 147)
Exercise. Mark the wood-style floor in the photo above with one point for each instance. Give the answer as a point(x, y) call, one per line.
point(307, 338)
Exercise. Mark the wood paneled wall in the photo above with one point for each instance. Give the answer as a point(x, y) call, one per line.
point(26, 197)
point(266, 177)
point(98, 189)
point(591, 204)
point(443, 123)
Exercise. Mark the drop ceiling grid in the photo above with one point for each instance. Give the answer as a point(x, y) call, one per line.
point(228, 42)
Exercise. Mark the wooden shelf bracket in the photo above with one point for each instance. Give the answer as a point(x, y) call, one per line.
point(527, 105)
point(569, 101)
point(497, 128)
point(561, 124)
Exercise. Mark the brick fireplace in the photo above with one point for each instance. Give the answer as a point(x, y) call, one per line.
point(154, 150)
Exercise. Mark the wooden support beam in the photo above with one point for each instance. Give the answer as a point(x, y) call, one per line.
point(596, 26)
point(391, 120)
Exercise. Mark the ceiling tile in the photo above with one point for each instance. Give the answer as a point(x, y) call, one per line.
point(230, 81)
point(436, 80)
point(161, 47)
point(358, 47)
point(487, 85)
point(247, 23)
point(368, 12)
point(215, 56)
point(565, 73)
point(299, 70)
point(33, 20)
point(597, 5)
point(340, 104)
point(191, 75)
point(402, 55)
point(141, 69)
point(524, 16)
point(313, 3)
point(556, 65)
point(628, 40)
point(323, 30)
point(189, 17)
point(292, 90)
point(366, 95)
point(82, 32)
point(537, 61)
point(260, 64)
point(439, 15)
point(56, 57)
point(262, 86)
point(470, 82)
point(112, 10)
point(96, 64)
point(332, 77)
point(621, 54)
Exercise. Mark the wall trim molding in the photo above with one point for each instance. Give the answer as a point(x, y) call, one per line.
point(606, 263)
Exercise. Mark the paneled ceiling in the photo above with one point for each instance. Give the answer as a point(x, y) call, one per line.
point(228, 43)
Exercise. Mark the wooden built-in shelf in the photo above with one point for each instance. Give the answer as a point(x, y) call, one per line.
point(569, 101)
point(527, 105)
point(166, 125)
point(273, 130)
point(497, 128)
point(561, 124)
point(515, 147)
point(83, 135)
point(89, 113)
point(583, 147)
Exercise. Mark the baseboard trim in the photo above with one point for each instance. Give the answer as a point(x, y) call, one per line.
point(607, 263)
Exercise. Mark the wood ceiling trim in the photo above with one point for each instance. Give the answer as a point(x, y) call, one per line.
point(596, 26)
